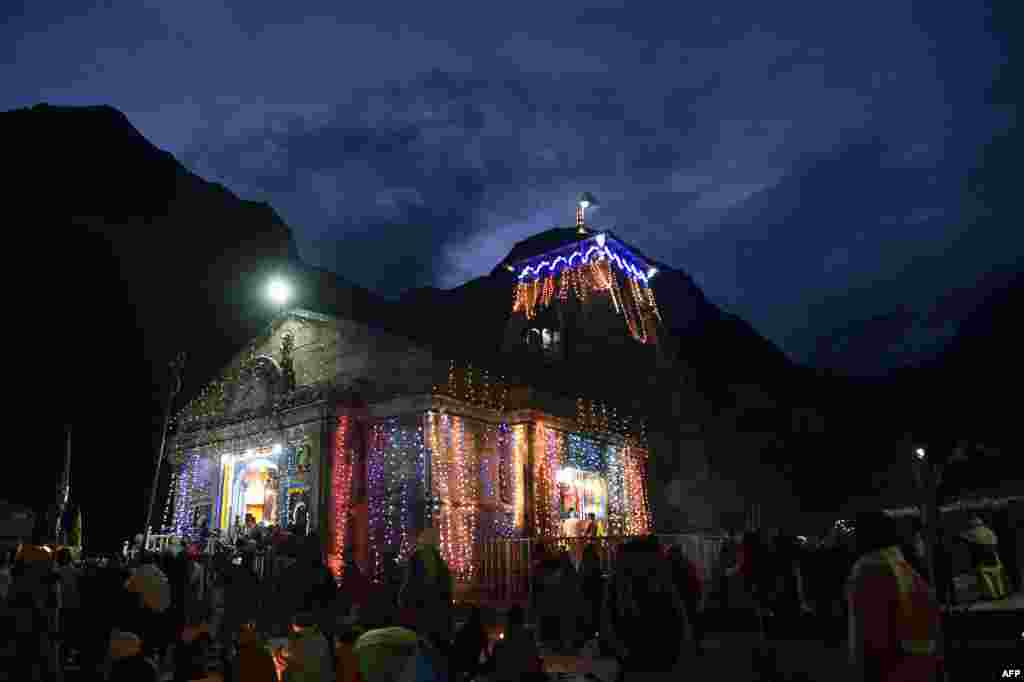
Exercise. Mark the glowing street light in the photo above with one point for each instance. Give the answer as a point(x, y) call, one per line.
point(919, 453)
point(279, 292)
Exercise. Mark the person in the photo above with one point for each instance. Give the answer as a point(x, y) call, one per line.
point(33, 590)
point(470, 643)
point(384, 653)
point(984, 549)
point(346, 661)
point(5, 576)
point(239, 584)
point(641, 593)
point(788, 598)
point(203, 534)
point(686, 578)
point(427, 588)
point(516, 656)
point(592, 587)
point(590, 526)
point(70, 601)
point(570, 603)
point(894, 627)
point(754, 570)
point(570, 526)
point(254, 662)
point(913, 547)
point(127, 662)
point(308, 656)
point(547, 596)
point(1003, 525)
point(727, 569)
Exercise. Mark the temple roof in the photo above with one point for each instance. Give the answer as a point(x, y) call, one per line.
point(556, 239)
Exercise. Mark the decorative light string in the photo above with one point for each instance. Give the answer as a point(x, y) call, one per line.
point(168, 518)
point(396, 468)
point(376, 491)
point(519, 446)
point(588, 270)
point(314, 362)
point(638, 516)
point(616, 494)
point(474, 386)
point(599, 419)
point(341, 496)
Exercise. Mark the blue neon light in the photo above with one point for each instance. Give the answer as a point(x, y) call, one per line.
point(554, 262)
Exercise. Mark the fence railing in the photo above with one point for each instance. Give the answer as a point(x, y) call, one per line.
point(506, 566)
point(158, 543)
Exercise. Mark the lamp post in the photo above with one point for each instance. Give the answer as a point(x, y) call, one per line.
point(279, 292)
point(177, 367)
point(928, 470)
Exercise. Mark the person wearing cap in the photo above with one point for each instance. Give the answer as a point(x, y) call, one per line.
point(894, 619)
point(307, 658)
point(33, 592)
point(984, 549)
point(397, 653)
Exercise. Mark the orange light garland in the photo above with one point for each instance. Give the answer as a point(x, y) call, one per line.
point(341, 493)
point(638, 519)
point(632, 300)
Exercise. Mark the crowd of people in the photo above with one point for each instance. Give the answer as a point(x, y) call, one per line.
point(181, 616)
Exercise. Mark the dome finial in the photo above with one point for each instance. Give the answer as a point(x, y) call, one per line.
point(584, 201)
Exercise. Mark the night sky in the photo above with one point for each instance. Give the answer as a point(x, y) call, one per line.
point(806, 163)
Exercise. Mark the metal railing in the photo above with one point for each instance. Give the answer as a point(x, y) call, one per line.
point(159, 543)
point(505, 569)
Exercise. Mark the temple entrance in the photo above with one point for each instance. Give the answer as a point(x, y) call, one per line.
point(255, 492)
point(580, 494)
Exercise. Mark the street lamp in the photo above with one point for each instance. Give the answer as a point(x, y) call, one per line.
point(177, 367)
point(278, 291)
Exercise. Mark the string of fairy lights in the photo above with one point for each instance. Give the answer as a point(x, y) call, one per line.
point(167, 526)
point(317, 343)
point(478, 474)
point(602, 420)
point(474, 386)
point(341, 496)
point(395, 475)
point(600, 266)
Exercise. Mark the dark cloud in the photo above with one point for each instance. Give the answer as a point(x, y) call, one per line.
point(802, 161)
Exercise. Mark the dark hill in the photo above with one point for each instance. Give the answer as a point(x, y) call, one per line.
point(717, 348)
point(137, 258)
point(133, 259)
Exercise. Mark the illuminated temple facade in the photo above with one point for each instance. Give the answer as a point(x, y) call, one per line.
point(579, 377)
point(336, 424)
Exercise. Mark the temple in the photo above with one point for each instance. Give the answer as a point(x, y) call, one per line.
point(546, 391)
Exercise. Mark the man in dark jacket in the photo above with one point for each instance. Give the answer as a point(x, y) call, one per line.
point(427, 590)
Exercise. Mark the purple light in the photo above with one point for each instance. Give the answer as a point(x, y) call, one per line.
point(628, 262)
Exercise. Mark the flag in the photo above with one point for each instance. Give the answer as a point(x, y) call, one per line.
point(75, 539)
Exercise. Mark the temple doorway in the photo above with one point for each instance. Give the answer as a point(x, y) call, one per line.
point(580, 494)
point(255, 492)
